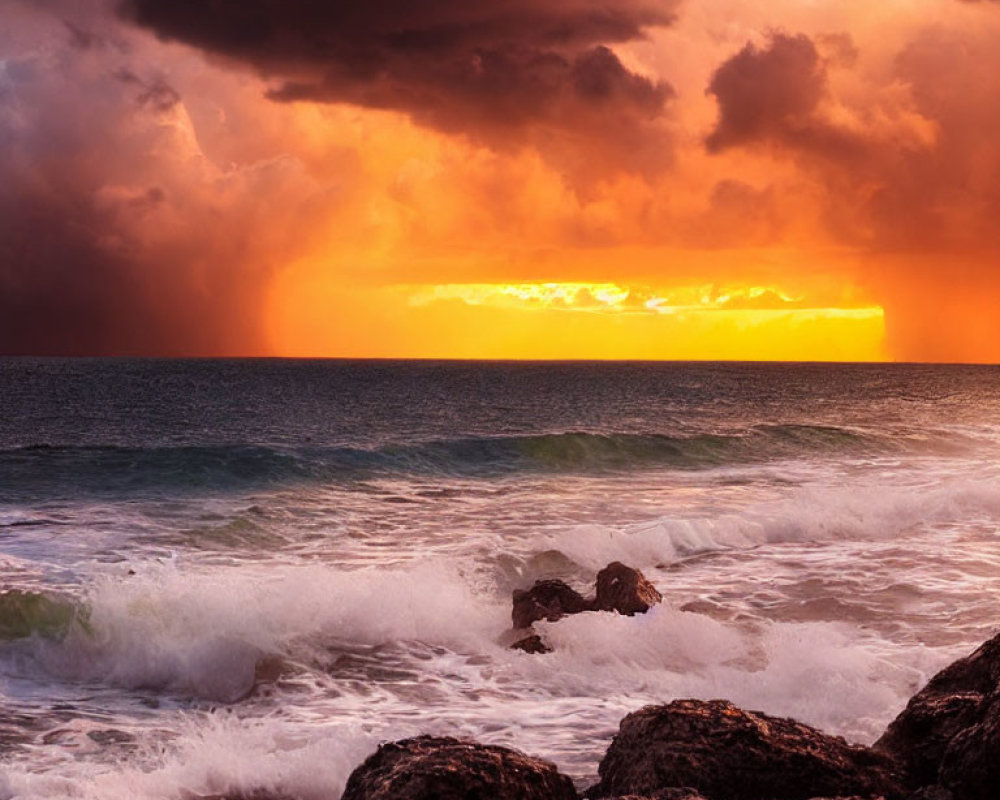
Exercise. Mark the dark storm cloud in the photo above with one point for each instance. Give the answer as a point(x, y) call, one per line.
point(490, 68)
point(770, 92)
point(905, 193)
point(773, 95)
point(116, 236)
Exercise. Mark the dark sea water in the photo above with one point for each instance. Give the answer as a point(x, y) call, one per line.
point(825, 538)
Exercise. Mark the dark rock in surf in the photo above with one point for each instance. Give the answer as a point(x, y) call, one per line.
point(619, 588)
point(268, 669)
point(625, 590)
point(429, 768)
point(727, 753)
point(952, 702)
point(531, 644)
point(549, 600)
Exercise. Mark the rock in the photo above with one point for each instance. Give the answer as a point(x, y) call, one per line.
point(953, 700)
point(730, 754)
point(625, 590)
point(429, 768)
point(970, 767)
point(531, 644)
point(663, 794)
point(931, 793)
point(919, 736)
point(549, 600)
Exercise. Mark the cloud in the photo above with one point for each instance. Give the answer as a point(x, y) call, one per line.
point(907, 168)
point(117, 235)
point(166, 193)
point(775, 94)
point(507, 72)
point(767, 92)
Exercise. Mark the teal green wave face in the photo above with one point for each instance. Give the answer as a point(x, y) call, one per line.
point(24, 614)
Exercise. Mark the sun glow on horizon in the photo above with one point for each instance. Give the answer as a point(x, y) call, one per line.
point(572, 320)
point(618, 298)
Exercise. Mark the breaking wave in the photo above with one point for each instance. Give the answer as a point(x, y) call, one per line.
point(211, 468)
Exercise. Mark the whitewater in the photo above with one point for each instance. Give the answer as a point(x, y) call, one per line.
point(235, 575)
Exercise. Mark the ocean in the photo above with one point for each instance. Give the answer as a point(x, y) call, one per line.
point(239, 574)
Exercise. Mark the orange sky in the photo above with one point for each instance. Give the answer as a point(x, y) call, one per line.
point(558, 179)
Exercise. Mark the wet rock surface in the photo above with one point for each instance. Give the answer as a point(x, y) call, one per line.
point(727, 753)
point(620, 588)
point(443, 768)
point(949, 732)
point(932, 793)
point(625, 590)
point(663, 794)
point(920, 736)
point(970, 767)
point(546, 600)
point(531, 644)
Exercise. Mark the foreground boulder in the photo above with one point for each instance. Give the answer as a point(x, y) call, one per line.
point(730, 754)
point(663, 794)
point(970, 767)
point(954, 718)
point(625, 590)
point(548, 600)
point(932, 793)
point(429, 768)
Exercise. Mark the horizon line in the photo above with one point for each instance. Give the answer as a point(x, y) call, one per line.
point(470, 360)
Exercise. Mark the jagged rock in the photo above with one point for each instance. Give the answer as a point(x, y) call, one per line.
point(952, 701)
point(919, 736)
point(970, 767)
point(531, 644)
point(932, 793)
point(429, 768)
point(619, 588)
point(727, 753)
point(549, 600)
point(625, 590)
point(663, 794)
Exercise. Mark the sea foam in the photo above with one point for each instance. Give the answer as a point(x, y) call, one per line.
point(850, 511)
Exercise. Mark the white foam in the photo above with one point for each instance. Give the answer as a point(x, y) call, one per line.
point(201, 633)
point(212, 754)
point(809, 514)
point(826, 674)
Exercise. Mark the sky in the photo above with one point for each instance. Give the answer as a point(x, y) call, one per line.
point(654, 179)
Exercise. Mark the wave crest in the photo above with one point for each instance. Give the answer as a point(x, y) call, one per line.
point(30, 470)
